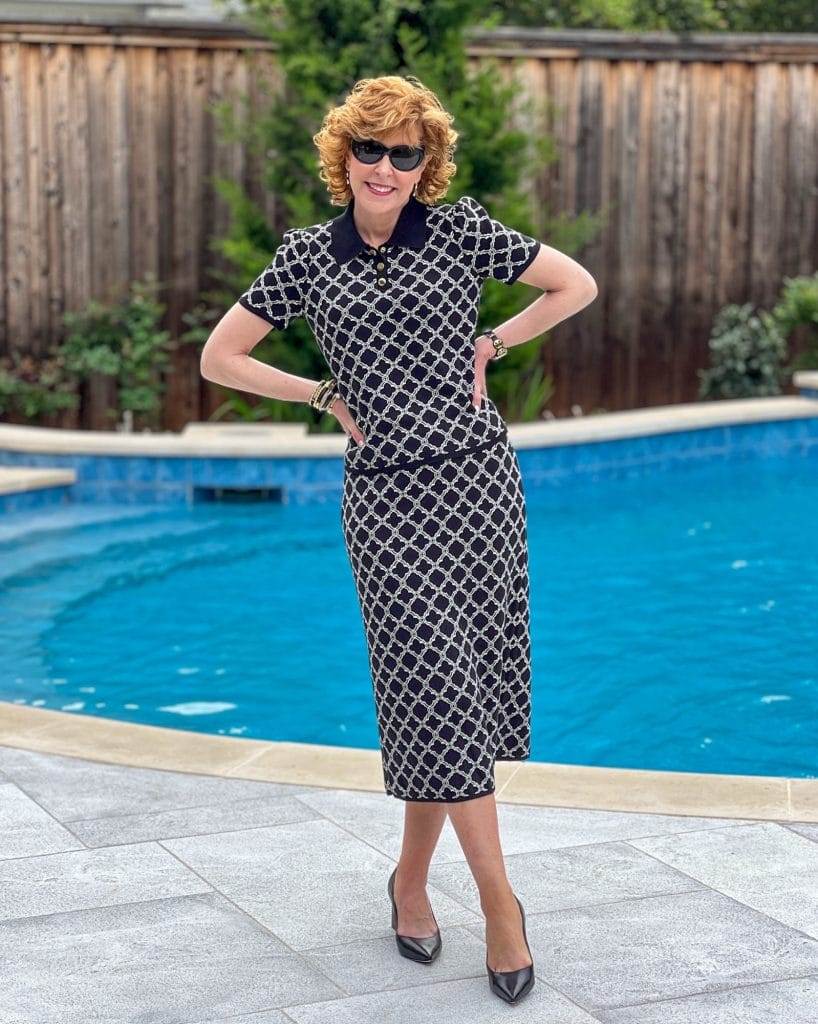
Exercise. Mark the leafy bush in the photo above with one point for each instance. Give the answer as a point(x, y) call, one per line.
point(123, 341)
point(797, 310)
point(747, 350)
point(32, 388)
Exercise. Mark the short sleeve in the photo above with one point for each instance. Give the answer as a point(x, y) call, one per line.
point(497, 251)
point(277, 294)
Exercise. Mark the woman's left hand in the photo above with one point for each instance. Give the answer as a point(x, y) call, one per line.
point(483, 352)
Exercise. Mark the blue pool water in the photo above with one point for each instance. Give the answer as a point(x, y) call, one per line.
point(674, 619)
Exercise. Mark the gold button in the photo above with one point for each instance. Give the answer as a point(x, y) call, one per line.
point(381, 280)
point(380, 266)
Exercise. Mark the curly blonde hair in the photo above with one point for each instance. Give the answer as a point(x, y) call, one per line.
point(377, 106)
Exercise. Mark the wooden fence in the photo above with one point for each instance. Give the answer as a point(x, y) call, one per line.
point(700, 154)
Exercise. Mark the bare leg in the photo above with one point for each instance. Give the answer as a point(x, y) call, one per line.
point(423, 823)
point(475, 822)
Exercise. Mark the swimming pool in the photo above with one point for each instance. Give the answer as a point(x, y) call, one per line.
point(673, 614)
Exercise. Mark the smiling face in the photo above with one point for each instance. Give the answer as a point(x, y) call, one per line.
point(380, 186)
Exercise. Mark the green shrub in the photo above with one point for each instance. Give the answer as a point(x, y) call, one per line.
point(747, 349)
point(797, 311)
point(32, 388)
point(123, 341)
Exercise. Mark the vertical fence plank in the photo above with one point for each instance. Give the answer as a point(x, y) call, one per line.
point(736, 126)
point(56, 129)
point(146, 157)
point(562, 362)
point(811, 219)
point(162, 132)
point(801, 197)
point(767, 198)
point(99, 170)
point(4, 329)
point(669, 165)
point(628, 225)
point(594, 192)
point(230, 159)
point(185, 186)
point(16, 229)
point(79, 285)
point(99, 404)
point(36, 175)
point(698, 238)
point(120, 223)
point(203, 133)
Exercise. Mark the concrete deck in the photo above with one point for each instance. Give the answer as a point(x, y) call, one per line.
point(136, 894)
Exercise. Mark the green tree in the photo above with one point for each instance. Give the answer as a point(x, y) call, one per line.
point(663, 15)
point(323, 48)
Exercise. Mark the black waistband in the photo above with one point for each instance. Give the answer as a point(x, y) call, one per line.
point(393, 467)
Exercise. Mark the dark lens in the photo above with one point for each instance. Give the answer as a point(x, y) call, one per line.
point(406, 158)
point(368, 151)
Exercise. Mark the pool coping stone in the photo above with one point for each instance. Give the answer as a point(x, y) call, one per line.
point(528, 782)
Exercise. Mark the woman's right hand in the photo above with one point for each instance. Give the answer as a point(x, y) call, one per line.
point(342, 414)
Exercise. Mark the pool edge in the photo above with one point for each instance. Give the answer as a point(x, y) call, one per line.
point(537, 783)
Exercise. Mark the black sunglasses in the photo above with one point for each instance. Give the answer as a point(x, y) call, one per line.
point(402, 158)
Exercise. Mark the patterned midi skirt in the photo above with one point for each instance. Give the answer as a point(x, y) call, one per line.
point(439, 554)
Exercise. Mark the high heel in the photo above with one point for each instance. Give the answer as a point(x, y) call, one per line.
point(513, 985)
point(424, 950)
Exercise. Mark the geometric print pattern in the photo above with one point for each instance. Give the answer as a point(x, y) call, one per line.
point(401, 352)
point(433, 509)
point(440, 562)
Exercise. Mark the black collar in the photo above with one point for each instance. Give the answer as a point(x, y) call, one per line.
point(411, 229)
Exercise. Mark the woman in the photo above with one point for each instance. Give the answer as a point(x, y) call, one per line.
point(433, 510)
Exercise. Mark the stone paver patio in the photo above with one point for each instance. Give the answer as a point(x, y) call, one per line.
point(143, 895)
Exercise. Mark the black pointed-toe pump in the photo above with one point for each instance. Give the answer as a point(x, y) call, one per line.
point(513, 985)
point(423, 950)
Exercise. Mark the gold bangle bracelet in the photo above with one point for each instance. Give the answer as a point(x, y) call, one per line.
point(324, 394)
point(499, 347)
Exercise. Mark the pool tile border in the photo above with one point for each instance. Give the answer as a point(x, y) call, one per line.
point(287, 466)
point(529, 782)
